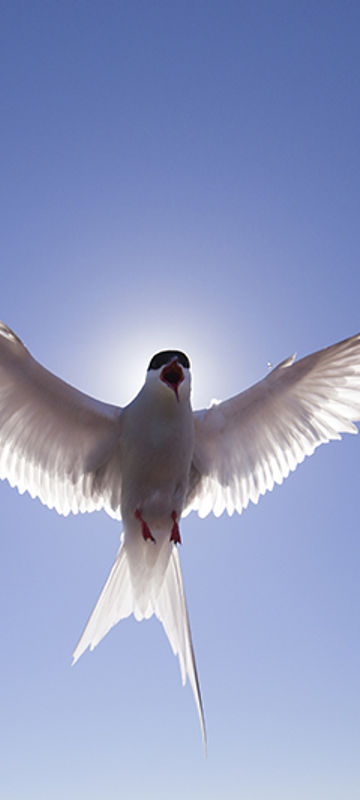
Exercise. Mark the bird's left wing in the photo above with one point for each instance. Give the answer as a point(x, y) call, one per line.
point(55, 442)
point(248, 443)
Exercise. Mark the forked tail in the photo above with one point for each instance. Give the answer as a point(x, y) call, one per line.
point(117, 601)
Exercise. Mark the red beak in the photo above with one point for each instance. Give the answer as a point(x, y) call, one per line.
point(172, 375)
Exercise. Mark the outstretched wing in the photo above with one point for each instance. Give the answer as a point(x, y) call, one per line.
point(56, 443)
point(248, 443)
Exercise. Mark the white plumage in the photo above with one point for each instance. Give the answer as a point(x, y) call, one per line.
point(155, 460)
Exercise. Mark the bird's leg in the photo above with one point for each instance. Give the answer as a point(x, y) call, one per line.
point(144, 527)
point(175, 533)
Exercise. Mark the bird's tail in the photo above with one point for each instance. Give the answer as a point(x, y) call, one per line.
point(118, 600)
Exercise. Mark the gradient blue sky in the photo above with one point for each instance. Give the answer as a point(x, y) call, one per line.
point(183, 174)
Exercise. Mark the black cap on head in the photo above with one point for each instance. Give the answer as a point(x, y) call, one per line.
point(163, 358)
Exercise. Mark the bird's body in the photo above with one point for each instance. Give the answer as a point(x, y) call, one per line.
point(155, 460)
point(156, 464)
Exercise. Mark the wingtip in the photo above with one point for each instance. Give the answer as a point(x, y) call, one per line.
point(75, 658)
point(7, 333)
point(78, 652)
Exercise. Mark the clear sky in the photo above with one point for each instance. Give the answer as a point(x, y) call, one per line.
point(183, 175)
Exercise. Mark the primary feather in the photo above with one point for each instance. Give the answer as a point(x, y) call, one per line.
point(54, 440)
point(248, 443)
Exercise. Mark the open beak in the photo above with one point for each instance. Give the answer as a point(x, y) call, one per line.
point(172, 375)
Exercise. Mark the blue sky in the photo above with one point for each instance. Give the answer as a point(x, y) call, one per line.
point(183, 174)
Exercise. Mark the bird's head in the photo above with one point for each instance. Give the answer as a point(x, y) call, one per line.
point(169, 371)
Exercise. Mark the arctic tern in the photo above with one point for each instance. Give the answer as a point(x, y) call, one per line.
point(155, 460)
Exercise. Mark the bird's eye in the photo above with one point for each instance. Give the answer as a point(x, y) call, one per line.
point(166, 356)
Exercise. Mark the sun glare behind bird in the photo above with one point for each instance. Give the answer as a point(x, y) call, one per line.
point(105, 348)
point(156, 459)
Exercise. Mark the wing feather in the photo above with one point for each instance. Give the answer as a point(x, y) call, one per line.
point(248, 443)
point(56, 443)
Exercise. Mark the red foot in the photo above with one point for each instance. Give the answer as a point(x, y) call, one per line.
point(175, 533)
point(144, 527)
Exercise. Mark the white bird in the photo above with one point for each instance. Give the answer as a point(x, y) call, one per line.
point(155, 460)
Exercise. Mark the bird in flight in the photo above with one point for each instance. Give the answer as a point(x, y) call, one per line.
point(155, 460)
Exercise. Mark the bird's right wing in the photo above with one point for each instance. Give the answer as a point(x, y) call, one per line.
point(248, 443)
point(56, 443)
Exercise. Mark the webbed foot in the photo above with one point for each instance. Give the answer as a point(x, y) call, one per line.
point(146, 532)
point(175, 532)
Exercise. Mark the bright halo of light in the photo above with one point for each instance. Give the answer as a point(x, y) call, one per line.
point(114, 366)
point(111, 357)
